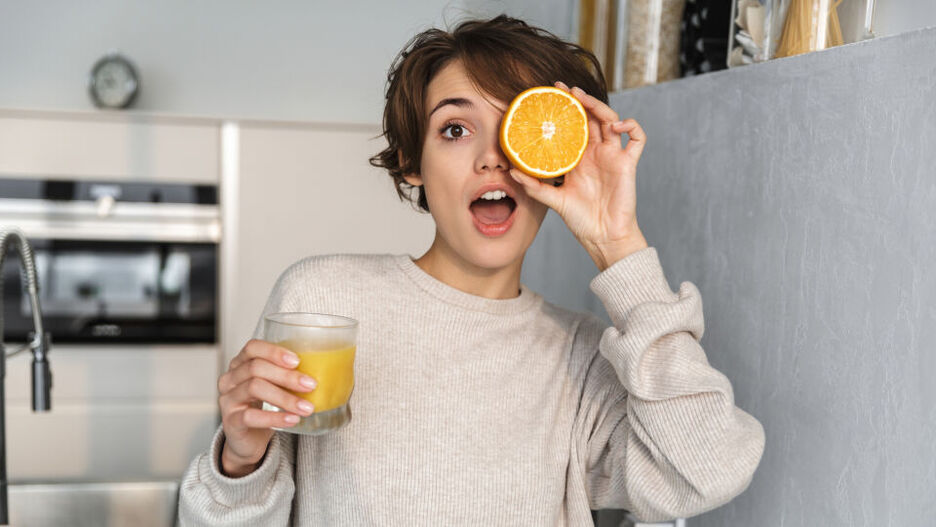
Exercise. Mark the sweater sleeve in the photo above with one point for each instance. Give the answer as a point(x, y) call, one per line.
point(263, 497)
point(659, 430)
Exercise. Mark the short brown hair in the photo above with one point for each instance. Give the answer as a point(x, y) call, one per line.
point(502, 56)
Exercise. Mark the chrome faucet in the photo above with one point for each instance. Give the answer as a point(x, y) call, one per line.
point(38, 343)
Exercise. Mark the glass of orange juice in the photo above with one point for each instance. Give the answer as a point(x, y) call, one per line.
point(325, 345)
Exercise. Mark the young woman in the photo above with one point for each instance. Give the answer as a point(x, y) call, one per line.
point(476, 402)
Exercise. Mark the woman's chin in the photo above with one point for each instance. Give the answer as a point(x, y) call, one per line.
point(495, 255)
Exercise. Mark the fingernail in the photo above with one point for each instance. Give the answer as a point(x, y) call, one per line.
point(307, 381)
point(305, 406)
point(291, 359)
point(291, 419)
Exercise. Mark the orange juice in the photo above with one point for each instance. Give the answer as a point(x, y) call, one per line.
point(332, 367)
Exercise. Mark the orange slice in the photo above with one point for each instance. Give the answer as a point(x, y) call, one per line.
point(544, 132)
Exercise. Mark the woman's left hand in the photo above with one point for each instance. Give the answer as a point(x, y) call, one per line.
point(598, 200)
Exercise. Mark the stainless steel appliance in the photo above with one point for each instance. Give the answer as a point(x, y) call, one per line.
point(119, 262)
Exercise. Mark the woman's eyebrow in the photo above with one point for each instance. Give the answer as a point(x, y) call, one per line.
point(460, 102)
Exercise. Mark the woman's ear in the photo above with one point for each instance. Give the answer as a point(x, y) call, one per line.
point(411, 178)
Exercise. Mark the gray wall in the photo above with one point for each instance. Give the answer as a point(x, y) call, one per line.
point(800, 197)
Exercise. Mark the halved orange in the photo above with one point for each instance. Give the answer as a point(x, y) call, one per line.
point(544, 132)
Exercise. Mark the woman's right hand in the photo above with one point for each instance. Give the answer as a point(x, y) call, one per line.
point(260, 372)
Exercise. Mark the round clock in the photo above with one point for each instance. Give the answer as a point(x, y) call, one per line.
point(113, 82)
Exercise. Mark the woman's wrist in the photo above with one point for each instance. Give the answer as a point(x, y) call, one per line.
point(234, 467)
point(607, 254)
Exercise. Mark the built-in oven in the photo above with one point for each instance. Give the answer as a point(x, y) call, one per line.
point(116, 261)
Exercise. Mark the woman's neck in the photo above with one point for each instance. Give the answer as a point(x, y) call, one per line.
point(448, 267)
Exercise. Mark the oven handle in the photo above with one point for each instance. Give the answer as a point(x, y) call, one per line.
point(123, 221)
point(113, 231)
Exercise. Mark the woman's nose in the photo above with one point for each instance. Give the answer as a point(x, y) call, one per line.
point(491, 156)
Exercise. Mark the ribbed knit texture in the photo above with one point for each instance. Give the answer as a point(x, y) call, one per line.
point(473, 411)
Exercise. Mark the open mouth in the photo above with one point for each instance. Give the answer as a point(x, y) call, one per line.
point(493, 211)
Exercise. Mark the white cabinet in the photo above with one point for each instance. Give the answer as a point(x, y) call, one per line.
point(103, 146)
point(118, 413)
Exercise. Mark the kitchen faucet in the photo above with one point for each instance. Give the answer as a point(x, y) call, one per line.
point(39, 344)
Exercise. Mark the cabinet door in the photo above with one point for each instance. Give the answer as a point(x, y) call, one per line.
point(300, 191)
point(121, 147)
point(119, 413)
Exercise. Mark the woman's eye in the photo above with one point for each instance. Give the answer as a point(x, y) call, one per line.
point(455, 131)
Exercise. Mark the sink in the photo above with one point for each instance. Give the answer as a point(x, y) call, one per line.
point(137, 504)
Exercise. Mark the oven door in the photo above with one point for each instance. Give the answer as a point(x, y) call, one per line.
point(144, 272)
point(112, 291)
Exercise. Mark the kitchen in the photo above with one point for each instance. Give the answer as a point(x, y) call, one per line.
point(158, 231)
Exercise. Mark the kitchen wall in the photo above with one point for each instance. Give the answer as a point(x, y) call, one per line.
point(290, 60)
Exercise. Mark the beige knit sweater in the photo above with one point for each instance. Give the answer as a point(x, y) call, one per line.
point(473, 411)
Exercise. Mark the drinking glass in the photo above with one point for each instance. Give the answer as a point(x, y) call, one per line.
point(326, 346)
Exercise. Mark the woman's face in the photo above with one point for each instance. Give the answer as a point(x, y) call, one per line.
point(462, 160)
